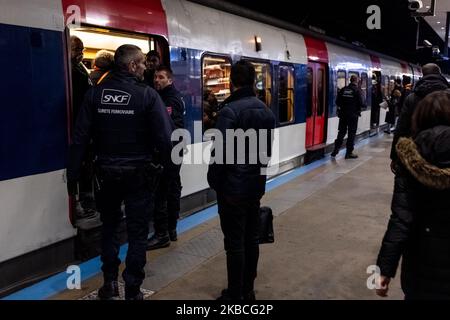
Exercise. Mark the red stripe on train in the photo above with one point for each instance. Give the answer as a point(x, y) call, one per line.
point(133, 15)
point(317, 50)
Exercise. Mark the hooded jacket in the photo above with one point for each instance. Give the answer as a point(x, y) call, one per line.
point(419, 227)
point(425, 86)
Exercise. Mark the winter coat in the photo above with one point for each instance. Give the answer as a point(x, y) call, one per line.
point(349, 101)
point(425, 86)
point(419, 227)
point(242, 110)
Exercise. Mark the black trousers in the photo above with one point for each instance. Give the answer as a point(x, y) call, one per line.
point(133, 190)
point(349, 123)
point(167, 202)
point(239, 220)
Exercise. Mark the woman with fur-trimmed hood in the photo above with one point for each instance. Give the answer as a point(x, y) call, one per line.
point(419, 227)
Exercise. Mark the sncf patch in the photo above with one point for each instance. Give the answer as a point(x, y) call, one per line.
point(115, 97)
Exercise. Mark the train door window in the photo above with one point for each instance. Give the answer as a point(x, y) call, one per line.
point(320, 91)
point(309, 83)
point(353, 73)
point(340, 79)
point(364, 88)
point(391, 84)
point(216, 86)
point(386, 86)
point(216, 76)
point(263, 82)
point(285, 94)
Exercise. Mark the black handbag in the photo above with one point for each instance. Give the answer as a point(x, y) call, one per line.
point(266, 225)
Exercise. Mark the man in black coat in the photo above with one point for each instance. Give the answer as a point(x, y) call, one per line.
point(80, 76)
point(80, 85)
point(349, 102)
point(167, 201)
point(152, 61)
point(240, 184)
point(432, 81)
point(127, 121)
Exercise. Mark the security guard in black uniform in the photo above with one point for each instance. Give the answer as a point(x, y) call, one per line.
point(167, 202)
point(349, 102)
point(127, 121)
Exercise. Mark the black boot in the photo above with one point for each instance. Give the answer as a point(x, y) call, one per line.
point(173, 235)
point(158, 241)
point(132, 293)
point(351, 155)
point(226, 296)
point(109, 290)
point(335, 152)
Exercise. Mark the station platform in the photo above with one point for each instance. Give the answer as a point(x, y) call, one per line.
point(329, 220)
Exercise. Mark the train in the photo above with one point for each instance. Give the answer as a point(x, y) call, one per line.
point(298, 76)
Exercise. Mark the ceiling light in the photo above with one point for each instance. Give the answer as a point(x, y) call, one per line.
point(438, 22)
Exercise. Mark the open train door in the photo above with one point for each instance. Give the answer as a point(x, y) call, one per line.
point(316, 104)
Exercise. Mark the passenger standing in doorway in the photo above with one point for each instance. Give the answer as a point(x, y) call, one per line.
point(432, 81)
point(239, 187)
point(419, 227)
point(80, 75)
point(152, 61)
point(349, 104)
point(85, 206)
point(127, 121)
point(168, 194)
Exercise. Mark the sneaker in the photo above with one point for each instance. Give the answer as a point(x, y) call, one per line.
point(156, 242)
point(334, 153)
point(351, 156)
point(109, 290)
point(173, 235)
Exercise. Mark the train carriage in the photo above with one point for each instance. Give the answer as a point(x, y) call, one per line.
point(298, 76)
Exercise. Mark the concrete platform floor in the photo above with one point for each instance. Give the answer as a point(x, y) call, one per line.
point(328, 225)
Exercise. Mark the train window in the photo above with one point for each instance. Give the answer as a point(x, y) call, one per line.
point(386, 86)
point(216, 76)
point(353, 73)
point(364, 88)
point(263, 82)
point(391, 84)
point(320, 91)
point(285, 94)
point(216, 86)
point(309, 83)
point(340, 80)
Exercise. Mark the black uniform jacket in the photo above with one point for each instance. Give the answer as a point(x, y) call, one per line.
point(127, 121)
point(174, 105)
point(349, 101)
